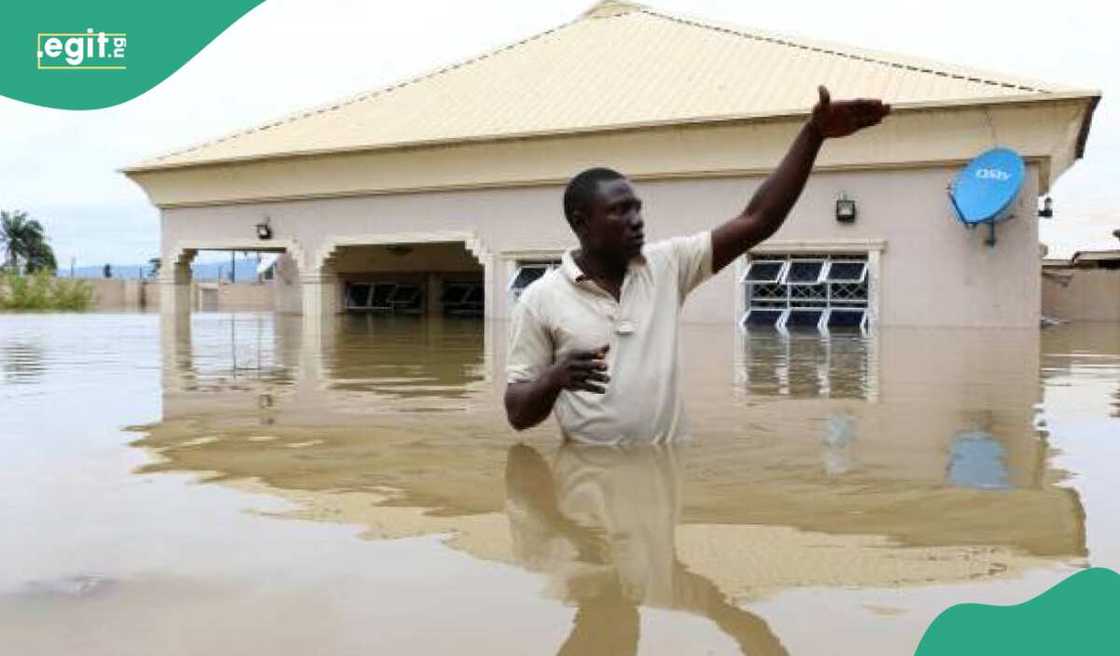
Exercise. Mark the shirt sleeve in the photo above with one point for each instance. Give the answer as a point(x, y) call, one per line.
point(692, 255)
point(530, 346)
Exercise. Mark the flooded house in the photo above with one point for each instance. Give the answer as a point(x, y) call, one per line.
point(441, 195)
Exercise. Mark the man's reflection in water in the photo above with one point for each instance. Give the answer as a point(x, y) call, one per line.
point(601, 522)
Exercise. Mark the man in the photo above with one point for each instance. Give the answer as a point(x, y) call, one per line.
point(596, 339)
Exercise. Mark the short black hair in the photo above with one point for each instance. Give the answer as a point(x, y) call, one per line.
point(581, 189)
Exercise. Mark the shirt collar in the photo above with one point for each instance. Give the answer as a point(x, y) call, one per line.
point(575, 274)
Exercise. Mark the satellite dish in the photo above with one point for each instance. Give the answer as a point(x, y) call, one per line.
point(985, 190)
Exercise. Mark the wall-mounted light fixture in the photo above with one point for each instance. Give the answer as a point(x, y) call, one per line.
point(845, 209)
point(264, 229)
point(1047, 210)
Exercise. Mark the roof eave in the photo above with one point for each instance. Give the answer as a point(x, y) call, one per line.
point(1092, 96)
point(1086, 124)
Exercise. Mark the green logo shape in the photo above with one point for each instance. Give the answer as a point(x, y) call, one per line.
point(77, 54)
point(1077, 616)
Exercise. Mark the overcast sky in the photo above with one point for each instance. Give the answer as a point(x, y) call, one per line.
point(61, 165)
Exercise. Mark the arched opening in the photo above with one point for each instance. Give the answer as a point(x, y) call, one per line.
point(225, 277)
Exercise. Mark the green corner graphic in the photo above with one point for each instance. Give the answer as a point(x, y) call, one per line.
point(81, 54)
point(1080, 615)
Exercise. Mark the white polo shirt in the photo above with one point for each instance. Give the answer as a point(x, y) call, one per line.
point(565, 311)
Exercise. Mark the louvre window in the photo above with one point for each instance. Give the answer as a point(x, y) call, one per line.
point(357, 295)
point(463, 299)
point(379, 299)
point(804, 318)
point(846, 271)
point(763, 317)
point(846, 318)
point(406, 298)
point(527, 273)
point(806, 293)
point(764, 271)
point(385, 296)
point(804, 272)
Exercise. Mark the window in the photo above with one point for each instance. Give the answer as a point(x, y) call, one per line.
point(527, 273)
point(379, 298)
point(763, 317)
point(406, 298)
point(804, 272)
point(463, 299)
point(846, 271)
point(804, 318)
point(806, 293)
point(855, 318)
point(384, 296)
point(454, 294)
point(764, 271)
point(357, 295)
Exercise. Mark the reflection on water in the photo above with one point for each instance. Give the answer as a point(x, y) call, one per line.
point(601, 524)
point(21, 362)
point(868, 471)
point(840, 365)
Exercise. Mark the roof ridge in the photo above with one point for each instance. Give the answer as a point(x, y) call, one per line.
point(609, 8)
point(371, 93)
point(805, 43)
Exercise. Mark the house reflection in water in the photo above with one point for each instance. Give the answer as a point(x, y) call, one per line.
point(903, 458)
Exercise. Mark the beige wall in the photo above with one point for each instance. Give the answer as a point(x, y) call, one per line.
point(246, 297)
point(1091, 295)
point(120, 294)
point(933, 271)
point(149, 294)
point(108, 293)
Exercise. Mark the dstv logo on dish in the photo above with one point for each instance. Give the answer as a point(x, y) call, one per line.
point(993, 174)
point(90, 51)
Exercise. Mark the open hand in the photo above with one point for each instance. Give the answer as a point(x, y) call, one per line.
point(580, 371)
point(839, 119)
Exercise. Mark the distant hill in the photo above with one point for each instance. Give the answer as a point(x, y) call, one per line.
point(246, 270)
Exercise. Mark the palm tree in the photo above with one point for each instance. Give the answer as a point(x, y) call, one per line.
point(23, 239)
point(40, 257)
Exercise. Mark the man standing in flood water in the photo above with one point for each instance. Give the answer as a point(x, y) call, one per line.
point(596, 339)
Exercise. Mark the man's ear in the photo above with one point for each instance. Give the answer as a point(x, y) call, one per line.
point(578, 222)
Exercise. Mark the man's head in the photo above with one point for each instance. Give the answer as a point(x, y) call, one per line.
point(605, 214)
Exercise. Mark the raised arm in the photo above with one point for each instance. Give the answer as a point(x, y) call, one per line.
point(772, 202)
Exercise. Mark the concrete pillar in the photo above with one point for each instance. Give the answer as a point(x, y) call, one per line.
point(287, 287)
point(175, 288)
point(431, 298)
point(322, 302)
point(320, 294)
point(489, 299)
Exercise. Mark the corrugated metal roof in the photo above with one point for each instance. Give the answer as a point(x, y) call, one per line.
point(618, 65)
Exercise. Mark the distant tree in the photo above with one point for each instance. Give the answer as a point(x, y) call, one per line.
point(24, 243)
point(21, 237)
point(107, 271)
point(40, 257)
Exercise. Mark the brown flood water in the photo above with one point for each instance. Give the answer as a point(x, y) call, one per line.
point(239, 484)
